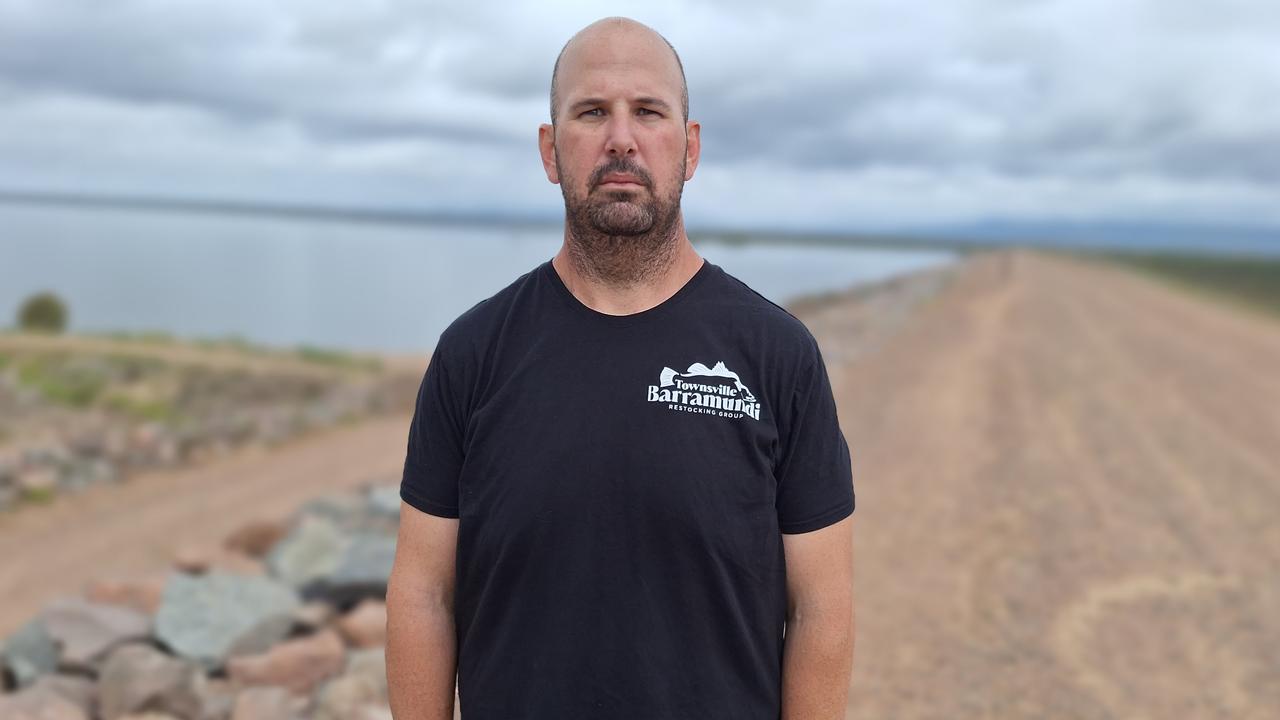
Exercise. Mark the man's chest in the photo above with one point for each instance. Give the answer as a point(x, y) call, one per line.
point(671, 437)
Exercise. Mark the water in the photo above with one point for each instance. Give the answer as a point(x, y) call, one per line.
point(286, 281)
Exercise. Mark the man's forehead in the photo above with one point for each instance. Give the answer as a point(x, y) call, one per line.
point(602, 57)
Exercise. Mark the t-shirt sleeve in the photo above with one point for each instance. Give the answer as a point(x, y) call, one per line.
point(814, 474)
point(433, 460)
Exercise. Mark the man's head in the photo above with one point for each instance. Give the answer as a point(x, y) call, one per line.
point(555, 71)
point(620, 145)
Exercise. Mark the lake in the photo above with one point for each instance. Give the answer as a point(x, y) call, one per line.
point(285, 281)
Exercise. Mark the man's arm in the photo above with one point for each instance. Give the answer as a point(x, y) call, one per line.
point(817, 660)
point(421, 648)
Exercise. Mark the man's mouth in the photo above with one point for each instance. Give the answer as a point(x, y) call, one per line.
point(620, 180)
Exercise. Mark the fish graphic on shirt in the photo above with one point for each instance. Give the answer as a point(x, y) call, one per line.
point(719, 370)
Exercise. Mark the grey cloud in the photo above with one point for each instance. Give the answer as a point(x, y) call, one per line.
point(1079, 92)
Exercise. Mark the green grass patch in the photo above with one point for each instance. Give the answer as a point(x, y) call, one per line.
point(1246, 281)
point(60, 382)
point(41, 495)
point(336, 358)
point(146, 410)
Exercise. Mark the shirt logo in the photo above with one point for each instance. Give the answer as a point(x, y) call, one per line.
point(713, 390)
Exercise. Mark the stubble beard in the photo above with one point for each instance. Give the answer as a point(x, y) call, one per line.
point(623, 238)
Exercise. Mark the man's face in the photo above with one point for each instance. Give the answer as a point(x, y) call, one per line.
point(620, 149)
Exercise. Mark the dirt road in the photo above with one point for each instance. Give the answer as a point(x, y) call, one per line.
point(1067, 480)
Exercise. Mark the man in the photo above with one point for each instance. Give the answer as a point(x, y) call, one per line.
point(625, 480)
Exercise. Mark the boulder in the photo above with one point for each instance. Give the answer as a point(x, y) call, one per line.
point(362, 572)
point(365, 626)
point(256, 538)
point(311, 550)
point(298, 665)
point(86, 630)
point(39, 703)
point(363, 684)
point(209, 618)
point(137, 677)
point(267, 703)
point(29, 653)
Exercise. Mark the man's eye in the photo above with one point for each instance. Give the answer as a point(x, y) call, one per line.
point(647, 110)
point(593, 110)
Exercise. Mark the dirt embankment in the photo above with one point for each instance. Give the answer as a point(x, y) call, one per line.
point(1067, 477)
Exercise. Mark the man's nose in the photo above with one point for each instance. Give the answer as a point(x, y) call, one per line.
point(620, 140)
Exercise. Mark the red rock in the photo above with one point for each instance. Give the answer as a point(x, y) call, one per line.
point(256, 538)
point(366, 625)
point(267, 703)
point(299, 665)
point(142, 594)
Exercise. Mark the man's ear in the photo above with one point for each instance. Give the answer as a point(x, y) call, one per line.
point(547, 149)
point(693, 148)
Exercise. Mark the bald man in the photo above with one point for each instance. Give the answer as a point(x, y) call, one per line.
point(626, 494)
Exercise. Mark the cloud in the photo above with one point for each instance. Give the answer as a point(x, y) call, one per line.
point(857, 114)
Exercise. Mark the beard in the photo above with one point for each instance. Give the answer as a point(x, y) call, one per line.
point(622, 237)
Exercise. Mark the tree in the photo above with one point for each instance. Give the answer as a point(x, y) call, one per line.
point(43, 312)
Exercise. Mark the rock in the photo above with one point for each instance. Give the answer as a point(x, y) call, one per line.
point(362, 684)
point(82, 473)
point(86, 630)
point(312, 550)
point(9, 495)
point(371, 663)
point(209, 618)
point(343, 509)
point(79, 691)
point(385, 500)
point(200, 559)
point(39, 703)
point(142, 595)
point(313, 615)
point(217, 699)
point(299, 665)
point(362, 571)
point(366, 625)
point(138, 677)
point(29, 653)
point(45, 453)
point(267, 703)
point(255, 539)
point(372, 712)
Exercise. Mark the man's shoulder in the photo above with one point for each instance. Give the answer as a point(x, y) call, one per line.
point(478, 322)
point(766, 316)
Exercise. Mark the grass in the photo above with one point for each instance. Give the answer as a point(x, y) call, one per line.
point(156, 410)
point(328, 357)
point(41, 496)
point(60, 382)
point(1245, 281)
point(337, 358)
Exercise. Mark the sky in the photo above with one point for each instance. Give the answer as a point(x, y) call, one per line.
point(854, 115)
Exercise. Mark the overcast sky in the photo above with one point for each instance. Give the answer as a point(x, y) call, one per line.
point(860, 115)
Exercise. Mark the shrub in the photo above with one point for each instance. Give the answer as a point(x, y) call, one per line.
point(43, 312)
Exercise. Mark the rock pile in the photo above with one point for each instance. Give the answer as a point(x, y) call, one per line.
point(286, 620)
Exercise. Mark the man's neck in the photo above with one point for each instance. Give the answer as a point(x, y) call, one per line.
point(666, 274)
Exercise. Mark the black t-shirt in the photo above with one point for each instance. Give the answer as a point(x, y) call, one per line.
point(621, 484)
